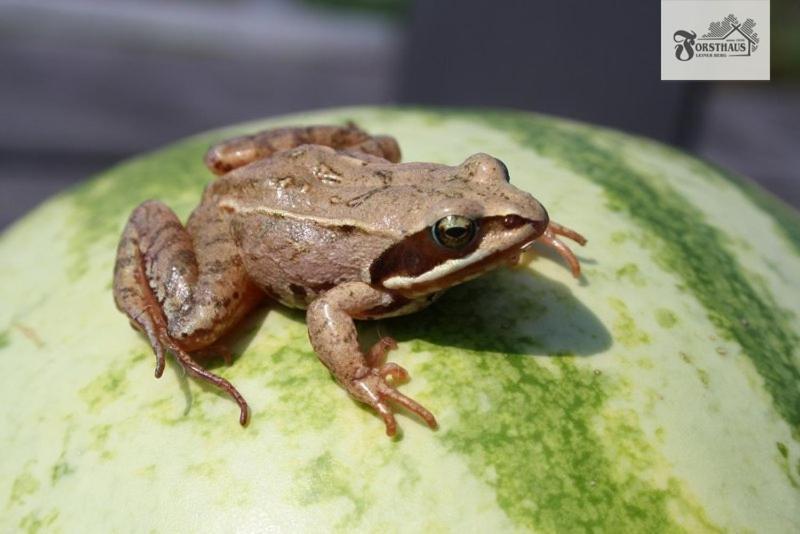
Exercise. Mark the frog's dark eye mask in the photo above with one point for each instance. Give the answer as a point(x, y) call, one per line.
point(451, 250)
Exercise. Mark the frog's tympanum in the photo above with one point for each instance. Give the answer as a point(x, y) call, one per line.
point(322, 218)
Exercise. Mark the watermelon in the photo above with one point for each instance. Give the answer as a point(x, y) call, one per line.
point(661, 392)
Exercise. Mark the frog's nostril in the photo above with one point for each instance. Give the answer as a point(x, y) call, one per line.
point(513, 221)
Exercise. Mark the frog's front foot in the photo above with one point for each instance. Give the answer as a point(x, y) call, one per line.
point(550, 239)
point(371, 386)
point(364, 375)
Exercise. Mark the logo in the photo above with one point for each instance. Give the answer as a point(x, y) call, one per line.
point(725, 38)
point(715, 39)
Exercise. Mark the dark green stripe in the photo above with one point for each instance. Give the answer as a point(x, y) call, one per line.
point(690, 247)
point(785, 218)
point(530, 430)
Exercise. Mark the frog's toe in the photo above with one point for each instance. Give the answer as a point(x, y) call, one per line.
point(562, 230)
point(196, 370)
point(192, 368)
point(146, 325)
point(377, 353)
point(388, 418)
point(396, 372)
point(160, 361)
point(411, 405)
point(373, 389)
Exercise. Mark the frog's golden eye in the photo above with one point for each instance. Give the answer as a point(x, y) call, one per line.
point(454, 231)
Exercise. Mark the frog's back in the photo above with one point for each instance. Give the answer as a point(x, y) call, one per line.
point(313, 218)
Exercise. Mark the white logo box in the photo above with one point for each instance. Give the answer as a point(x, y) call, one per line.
point(715, 39)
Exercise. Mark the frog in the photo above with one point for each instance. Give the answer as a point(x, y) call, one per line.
point(324, 218)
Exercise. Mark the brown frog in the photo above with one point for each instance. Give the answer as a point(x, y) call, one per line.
point(322, 218)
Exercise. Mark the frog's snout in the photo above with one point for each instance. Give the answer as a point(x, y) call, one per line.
point(540, 225)
point(538, 218)
point(524, 231)
point(533, 212)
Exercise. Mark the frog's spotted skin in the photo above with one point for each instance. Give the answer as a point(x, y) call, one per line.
point(549, 422)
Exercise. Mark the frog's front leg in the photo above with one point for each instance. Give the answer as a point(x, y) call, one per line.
point(334, 338)
point(183, 288)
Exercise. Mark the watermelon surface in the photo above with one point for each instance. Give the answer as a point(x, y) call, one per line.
point(659, 393)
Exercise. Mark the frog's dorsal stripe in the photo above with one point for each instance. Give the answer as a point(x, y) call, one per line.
point(323, 221)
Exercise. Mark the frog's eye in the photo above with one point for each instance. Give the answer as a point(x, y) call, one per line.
point(454, 231)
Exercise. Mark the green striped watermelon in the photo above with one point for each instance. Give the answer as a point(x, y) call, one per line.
point(662, 393)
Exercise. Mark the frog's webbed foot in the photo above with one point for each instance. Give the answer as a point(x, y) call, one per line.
point(549, 239)
point(196, 370)
point(371, 387)
point(161, 342)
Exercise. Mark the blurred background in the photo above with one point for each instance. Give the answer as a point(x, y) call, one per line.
point(86, 83)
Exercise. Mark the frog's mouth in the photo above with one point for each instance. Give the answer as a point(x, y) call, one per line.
point(418, 266)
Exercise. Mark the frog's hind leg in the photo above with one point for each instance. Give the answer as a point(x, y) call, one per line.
point(239, 151)
point(133, 296)
point(182, 304)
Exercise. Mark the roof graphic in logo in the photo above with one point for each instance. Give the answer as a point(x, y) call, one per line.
point(728, 28)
